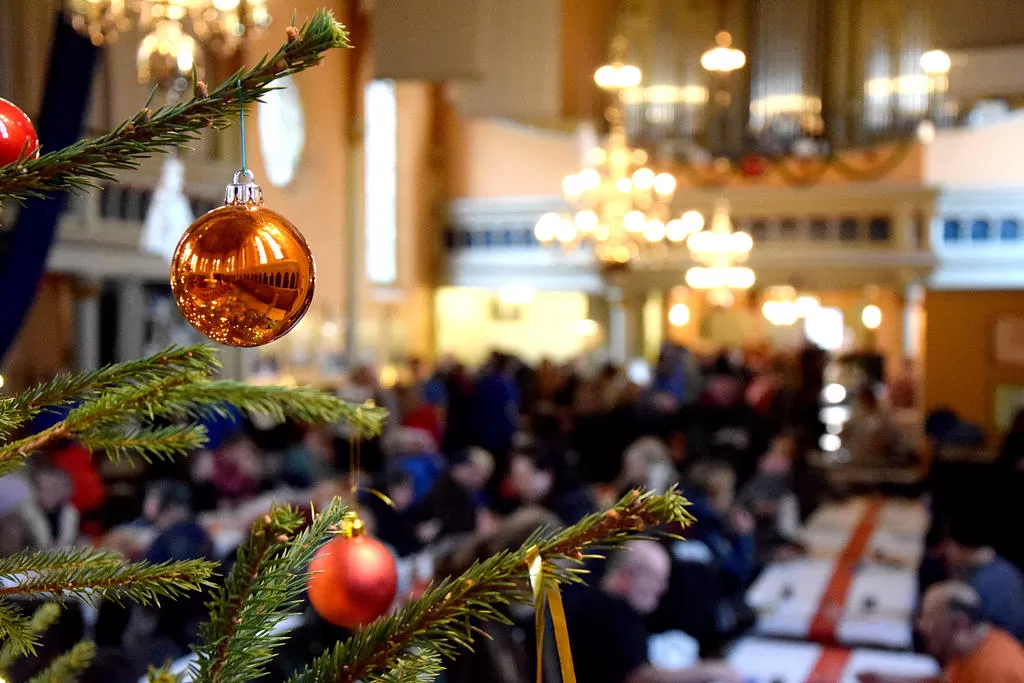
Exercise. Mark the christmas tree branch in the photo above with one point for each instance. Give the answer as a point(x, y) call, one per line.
point(171, 386)
point(437, 622)
point(24, 642)
point(90, 574)
point(87, 162)
point(264, 587)
point(17, 630)
point(67, 666)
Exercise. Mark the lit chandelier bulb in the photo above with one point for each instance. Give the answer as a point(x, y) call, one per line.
point(623, 185)
point(742, 243)
point(546, 227)
point(654, 231)
point(643, 178)
point(589, 179)
point(566, 231)
point(634, 221)
point(664, 184)
point(586, 220)
point(572, 186)
point(675, 230)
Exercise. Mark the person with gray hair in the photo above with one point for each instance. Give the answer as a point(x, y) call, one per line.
point(954, 631)
point(606, 624)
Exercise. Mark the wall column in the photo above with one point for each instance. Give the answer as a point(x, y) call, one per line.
point(131, 315)
point(87, 324)
point(618, 349)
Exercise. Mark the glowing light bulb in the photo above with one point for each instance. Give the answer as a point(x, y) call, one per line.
point(586, 220)
point(741, 243)
point(546, 227)
point(628, 76)
point(634, 221)
point(643, 178)
point(654, 231)
point(605, 77)
point(589, 179)
point(678, 315)
point(566, 231)
point(675, 230)
point(596, 156)
point(871, 316)
point(936, 62)
point(664, 184)
point(693, 221)
point(623, 185)
point(572, 186)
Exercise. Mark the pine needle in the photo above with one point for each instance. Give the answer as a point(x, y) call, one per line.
point(265, 586)
point(16, 629)
point(68, 666)
point(435, 623)
point(87, 163)
point(44, 617)
point(90, 575)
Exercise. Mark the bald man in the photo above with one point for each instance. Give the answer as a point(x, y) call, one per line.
point(970, 649)
point(606, 627)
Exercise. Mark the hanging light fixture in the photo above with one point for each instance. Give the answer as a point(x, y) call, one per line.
point(620, 205)
point(170, 50)
point(723, 58)
point(783, 306)
point(721, 253)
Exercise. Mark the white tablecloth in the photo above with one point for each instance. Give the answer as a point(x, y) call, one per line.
point(766, 661)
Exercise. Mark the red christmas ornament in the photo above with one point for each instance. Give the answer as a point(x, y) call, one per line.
point(17, 134)
point(354, 580)
point(754, 167)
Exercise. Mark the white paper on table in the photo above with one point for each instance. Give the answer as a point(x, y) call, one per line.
point(765, 660)
point(906, 546)
point(896, 663)
point(807, 577)
point(905, 516)
point(893, 592)
point(833, 516)
point(672, 650)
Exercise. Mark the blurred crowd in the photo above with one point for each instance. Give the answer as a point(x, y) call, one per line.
point(474, 461)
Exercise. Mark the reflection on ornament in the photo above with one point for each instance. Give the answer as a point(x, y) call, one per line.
point(353, 580)
point(242, 274)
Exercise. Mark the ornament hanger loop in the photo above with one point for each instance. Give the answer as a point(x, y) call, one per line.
point(243, 177)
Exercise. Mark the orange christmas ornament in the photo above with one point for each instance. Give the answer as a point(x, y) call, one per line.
point(353, 580)
point(242, 274)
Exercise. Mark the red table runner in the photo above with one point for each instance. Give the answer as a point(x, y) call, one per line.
point(833, 600)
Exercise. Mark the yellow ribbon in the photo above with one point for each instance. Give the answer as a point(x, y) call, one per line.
point(554, 599)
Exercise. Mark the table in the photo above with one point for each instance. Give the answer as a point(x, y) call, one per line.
point(769, 661)
point(857, 586)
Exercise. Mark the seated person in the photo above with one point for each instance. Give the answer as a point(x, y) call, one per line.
point(49, 518)
point(769, 497)
point(415, 451)
point(607, 623)
point(970, 649)
point(713, 566)
point(454, 504)
point(539, 476)
point(997, 581)
point(646, 464)
point(178, 536)
point(394, 524)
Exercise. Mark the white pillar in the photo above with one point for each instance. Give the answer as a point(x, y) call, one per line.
point(87, 325)
point(131, 319)
point(618, 327)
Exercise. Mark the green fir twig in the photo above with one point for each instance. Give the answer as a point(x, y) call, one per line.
point(44, 617)
point(89, 162)
point(436, 623)
point(265, 586)
point(67, 667)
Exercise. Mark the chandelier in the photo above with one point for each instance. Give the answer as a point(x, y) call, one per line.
point(620, 206)
point(723, 57)
point(783, 307)
point(721, 254)
point(169, 52)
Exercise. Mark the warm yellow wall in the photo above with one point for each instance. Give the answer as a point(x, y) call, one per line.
point(315, 201)
point(466, 329)
point(960, 370)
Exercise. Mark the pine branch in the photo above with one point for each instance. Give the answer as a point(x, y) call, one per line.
point(16, 630)
point(69, 665)
point(436, 623)
point(65, 389)
point(264, 587)
point(146, 443)
point(88, 162)
point(89, 574)
point(44, 617)
point(148, 392)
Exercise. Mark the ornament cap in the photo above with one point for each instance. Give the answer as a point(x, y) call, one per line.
point(239, 192)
